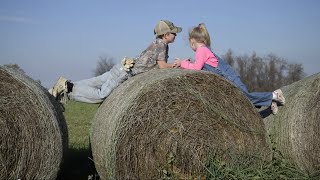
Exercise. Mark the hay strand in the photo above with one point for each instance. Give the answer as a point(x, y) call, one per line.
point(33, 131)
point(166, 123)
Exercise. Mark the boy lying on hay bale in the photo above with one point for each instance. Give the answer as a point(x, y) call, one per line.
point(96, 89)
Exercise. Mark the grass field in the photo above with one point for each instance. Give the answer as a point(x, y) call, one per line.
point(79, 165)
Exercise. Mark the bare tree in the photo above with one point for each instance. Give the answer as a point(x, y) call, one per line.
point(258, 76)
point(228, 57)
point(295, 73)
point(105, 63)
point(276, 69)
point(242, 68)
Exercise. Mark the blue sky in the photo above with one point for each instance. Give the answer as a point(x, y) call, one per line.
point(52, 38)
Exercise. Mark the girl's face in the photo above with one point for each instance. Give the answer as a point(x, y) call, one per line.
point(170, 37)
point(193, 43)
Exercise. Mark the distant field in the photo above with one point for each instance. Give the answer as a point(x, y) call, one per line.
point(79, 164)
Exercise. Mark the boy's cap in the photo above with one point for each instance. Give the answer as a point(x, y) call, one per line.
point(165, 26)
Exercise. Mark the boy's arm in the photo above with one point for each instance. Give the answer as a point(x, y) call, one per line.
point(164, 64)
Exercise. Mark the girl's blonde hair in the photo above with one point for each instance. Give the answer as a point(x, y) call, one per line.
point(200, 34)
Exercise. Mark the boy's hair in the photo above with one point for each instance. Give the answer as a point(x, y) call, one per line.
point(160, 36)
point(200, 34)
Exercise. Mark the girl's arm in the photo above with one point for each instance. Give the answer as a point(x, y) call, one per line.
point(201, 58)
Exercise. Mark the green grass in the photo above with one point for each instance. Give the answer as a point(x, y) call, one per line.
point(253, 168)
point(79, 165)
point(79, 117)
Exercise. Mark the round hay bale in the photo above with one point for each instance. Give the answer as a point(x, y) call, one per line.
point(295, 130)
point(168, 122)
point(33, 131)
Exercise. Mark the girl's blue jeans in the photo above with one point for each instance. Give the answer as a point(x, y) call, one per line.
point(226, 71)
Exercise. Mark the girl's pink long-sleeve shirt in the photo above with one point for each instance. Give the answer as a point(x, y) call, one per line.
point(203, 56)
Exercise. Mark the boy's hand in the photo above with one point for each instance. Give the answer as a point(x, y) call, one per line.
point(127, 63)
point(177, 63)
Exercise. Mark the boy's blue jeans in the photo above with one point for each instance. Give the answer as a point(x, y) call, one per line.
point(226, 71)
point(96, 89)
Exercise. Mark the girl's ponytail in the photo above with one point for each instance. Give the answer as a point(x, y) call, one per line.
point(206, 35)
point(200, 34)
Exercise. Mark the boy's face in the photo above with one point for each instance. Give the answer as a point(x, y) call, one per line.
point(170, 37)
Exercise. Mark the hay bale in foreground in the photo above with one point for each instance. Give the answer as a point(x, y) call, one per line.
point(167, 122)
point(33, 132)
point(295, 130)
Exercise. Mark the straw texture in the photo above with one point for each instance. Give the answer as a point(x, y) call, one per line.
point(295, 130)
point(33, 132)
point(166, 123)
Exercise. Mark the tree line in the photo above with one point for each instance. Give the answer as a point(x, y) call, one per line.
point(264, 73)
point(257, 73)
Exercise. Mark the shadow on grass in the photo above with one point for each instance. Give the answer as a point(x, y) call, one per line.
point(78, 165)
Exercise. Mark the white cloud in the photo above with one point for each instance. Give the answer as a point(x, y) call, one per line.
point(16, 19)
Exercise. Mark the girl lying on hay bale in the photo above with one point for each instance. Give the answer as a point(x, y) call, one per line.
point(205, 59)
point(168, 123)
point(33, 132)
point(96, 89)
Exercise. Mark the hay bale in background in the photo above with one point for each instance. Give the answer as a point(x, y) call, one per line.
point(295, 130)
point(167, 122)
point(33, 131)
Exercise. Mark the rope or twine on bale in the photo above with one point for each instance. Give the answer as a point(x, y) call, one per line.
point(33, 132)
point(295, 130)
point(166, 123)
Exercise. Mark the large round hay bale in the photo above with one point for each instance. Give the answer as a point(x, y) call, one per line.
point(168, 122)
point(295, 130)
point(33, 132)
